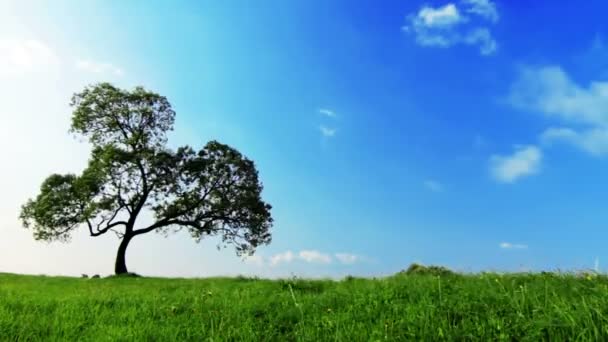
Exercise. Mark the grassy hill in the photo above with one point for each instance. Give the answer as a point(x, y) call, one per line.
point(403, 307)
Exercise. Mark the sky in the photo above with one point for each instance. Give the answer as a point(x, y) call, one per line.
point(471, 134)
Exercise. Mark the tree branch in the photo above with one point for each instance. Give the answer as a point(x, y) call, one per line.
point(164, 223)
point(118, 234)
point(121, 200)
point(142, 200)
point(91, 228)
point(105, 229)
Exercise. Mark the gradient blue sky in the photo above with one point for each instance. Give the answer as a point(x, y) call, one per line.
point(471, 133)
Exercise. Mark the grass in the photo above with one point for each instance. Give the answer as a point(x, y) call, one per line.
point(522, 307)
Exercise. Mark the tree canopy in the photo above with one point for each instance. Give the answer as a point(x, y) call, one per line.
point(212, 191)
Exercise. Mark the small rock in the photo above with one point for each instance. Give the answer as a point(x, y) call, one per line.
point(84, 276)
point(95, 276)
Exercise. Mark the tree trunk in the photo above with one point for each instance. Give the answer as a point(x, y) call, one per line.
point(121, 267)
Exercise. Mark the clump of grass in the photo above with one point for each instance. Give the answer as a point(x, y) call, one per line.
point(350, 278)
point(243, 278)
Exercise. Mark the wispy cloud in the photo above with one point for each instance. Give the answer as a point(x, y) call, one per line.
point(483, 8)
point(285, 257)
point(327, 112)
point(483, 38)
point(524, 161)
point(347, 258)
point(98, 67)
point(594, 141)
point(508, 245)
point(315, 257)
point(310, 256)
point(433, 185)
point(447, 26)
point(326, 131)
point(550, 91)
point(25, 56)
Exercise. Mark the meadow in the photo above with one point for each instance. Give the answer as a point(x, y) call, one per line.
point(415, 306)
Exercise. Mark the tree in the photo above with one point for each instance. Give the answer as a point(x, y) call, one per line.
point(213, 191)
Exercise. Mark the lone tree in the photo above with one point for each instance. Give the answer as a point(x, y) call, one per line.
point(214, 191)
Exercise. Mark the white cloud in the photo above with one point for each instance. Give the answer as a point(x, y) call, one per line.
point(550, 91)
point(280, 258)
point(433, 185)
point(327, 112)
point(307, 256)
point(446, 26)
point(483, 8)
point(25, 56)
point(557, 133)
point(508, 245)
point(347, 258)
point(326, 131)
point(483, 38)
point(524, 161)
point(314, 257)
point(445, 16)
point(433, 27)
point(594, 141)
point(98, 67)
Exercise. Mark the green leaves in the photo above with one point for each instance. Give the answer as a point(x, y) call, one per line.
point(107, 115)
point(63, 203)
point(215, 191)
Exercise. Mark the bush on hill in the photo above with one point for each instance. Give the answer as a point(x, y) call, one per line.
point(427, 270)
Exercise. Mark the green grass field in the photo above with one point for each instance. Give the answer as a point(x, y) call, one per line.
point(523, 307)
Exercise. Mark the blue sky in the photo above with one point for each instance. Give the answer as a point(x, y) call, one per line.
point(471, 133)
